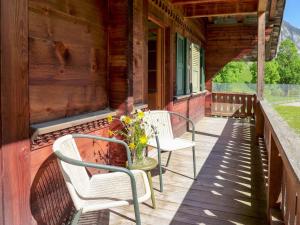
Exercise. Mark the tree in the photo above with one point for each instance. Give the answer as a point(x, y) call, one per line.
point(234, 72)
point(284, 69)
point(271, 72)
point(288, 61)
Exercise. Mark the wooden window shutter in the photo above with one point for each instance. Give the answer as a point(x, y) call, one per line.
point(196, 68)
point(202, 69)
point(188, 63)
point(180, 65)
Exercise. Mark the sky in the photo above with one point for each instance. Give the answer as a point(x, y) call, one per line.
point(292, 12)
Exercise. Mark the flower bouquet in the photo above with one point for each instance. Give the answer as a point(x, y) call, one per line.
point(133, 132)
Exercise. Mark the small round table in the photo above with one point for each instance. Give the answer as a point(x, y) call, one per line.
point(146, 165)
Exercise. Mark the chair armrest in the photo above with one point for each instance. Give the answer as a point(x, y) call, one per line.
point(90, 164)
point(187, 119)
point(113, 140)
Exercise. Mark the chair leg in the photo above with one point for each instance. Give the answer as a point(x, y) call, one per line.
point(136, 211)
point(76, 218)
point(169, 157)
point(160, 170)
point(151, 189)
point(147, 151)
point(194, 162)
point(160, 179)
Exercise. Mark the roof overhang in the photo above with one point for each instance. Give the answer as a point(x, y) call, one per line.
point(240, 12)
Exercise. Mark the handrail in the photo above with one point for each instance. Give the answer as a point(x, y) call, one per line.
point(286, 140)
point(283, 163)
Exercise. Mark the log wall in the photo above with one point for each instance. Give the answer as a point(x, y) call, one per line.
point(14, 117)
point(67, 58)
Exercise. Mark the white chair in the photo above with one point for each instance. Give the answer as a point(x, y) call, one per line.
point(101, 191)
point(159, 121)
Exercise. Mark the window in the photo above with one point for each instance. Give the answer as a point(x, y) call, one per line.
point(189, 67)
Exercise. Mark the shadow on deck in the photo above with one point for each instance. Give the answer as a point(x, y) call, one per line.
point(230, 186)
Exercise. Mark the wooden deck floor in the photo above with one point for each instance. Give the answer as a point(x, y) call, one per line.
point(229, 189)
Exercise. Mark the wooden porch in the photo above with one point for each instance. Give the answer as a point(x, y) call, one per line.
point(230, 188)
point(68, 65)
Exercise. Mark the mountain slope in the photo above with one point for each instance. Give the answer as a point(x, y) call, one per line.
point(291, 32)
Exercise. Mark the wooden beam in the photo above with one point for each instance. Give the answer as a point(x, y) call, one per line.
point(273, 9)
point(261, 54)
point(262, 5)
point(220, 9)
point(14, 117)
point(186, 2)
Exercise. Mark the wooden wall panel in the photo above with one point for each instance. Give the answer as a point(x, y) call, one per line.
point(193, 107)
point(120, 53)
point(14, 117)
point(67, 58)
point(140, 53)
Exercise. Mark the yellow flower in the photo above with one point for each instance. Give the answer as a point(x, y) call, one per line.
point(110, 133)
point(109, 119)
point(143, 140)
point(127, 120)
point(131, 145)
point(140, 114)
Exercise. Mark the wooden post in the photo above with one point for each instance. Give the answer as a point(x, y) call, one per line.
point(274, 177)
point(261, 54)
point(14, 118)
point(120, 45)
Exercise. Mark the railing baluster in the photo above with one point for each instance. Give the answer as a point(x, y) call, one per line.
point(233, 105)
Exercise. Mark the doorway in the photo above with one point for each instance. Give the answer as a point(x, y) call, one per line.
point(155, 66)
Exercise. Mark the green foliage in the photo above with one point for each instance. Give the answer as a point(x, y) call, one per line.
point(288, 61)
point(234, 72)
point(271, 72)
point(284, 69)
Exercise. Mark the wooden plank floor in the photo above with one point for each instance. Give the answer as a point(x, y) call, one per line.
point(229, 189)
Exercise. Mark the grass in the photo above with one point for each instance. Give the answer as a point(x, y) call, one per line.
point(291, 114)
point(281, 99)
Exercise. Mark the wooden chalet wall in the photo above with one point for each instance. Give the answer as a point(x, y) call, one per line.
point(14, 118)
point(67, 58)
point(80, 61)
point(140, 51)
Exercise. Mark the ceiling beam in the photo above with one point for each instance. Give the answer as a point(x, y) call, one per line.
point(186, 2)
point(220, 9)
point(273, 9)
point(262, 5)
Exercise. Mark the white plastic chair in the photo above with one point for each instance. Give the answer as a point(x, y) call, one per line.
point(101, 191)
point(159, 121)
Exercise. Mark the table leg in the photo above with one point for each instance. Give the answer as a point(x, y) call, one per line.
point(151, 189)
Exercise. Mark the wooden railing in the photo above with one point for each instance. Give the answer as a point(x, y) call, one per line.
point(283, 147)
point(233, 105)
